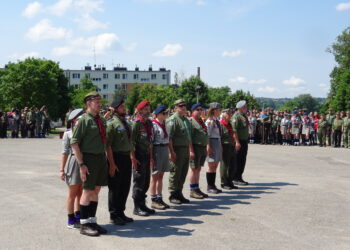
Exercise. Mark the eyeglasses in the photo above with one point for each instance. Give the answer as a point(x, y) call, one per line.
point(182, 105)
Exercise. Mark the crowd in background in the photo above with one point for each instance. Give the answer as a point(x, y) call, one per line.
point(25, 123)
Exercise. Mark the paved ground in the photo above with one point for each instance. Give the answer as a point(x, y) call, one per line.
point(299, 199)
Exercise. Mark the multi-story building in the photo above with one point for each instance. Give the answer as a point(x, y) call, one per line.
point(108, 81)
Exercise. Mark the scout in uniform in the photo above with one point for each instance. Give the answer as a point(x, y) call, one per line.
point(180, 148)
point(160, 143)
point(296, 125)
point(252, 128)
point(228, 163)
point(119, 153)
point(306, 130)
point(322, 130)
point(214, 148)
point(336, 130)
point(240, 127)
point(30, 120)
point(346, 130)
point(199, 136)
point(285, 128)
point(89, 143)
point(142, 161)
point(70, 173)
point(330, 118)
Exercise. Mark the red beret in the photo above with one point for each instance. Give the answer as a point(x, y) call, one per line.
point(142, 104)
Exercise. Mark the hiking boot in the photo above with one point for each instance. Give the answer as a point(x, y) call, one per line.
point(175, 199)
point(195, 194)
point(138, 211)
point(99, 229)
point(183, 199)
point(89, 230)
point(118, 221)
point(125, 218)
point(156, 204)
point(214, 190)
point(163, 203)
point(204, 194)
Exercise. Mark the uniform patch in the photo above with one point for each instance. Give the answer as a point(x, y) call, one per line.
point(171, 123)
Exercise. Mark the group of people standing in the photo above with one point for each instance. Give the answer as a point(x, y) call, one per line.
point(299, 128)
point(25, 123)
point(117, 151)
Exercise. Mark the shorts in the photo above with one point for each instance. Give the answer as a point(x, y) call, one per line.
point(161, 159)
point(200, 154)
point(98, 169)
point(217, 150)
point(306, 131)
point(72, 171)
point(295, 131)
point(284, 130)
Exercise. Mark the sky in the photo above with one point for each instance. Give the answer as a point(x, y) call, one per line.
point(272, 48)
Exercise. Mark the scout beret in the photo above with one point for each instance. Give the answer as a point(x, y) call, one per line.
point(194, 106)
point(90, 96)
point(116, 103)
point(159, 109)
point(75, 113)
point(178, 102)
point(214, 105)
point(142, 104)
point(241, 104)
point(295, 112)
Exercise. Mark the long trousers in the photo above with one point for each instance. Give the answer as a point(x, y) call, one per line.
point(179, 169)
point(228, 164)
point(241, 156)
point(141, 178)
point(119, 184)
point(337, 138)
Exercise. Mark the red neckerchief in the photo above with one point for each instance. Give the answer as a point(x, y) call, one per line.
point(200, 122)
point(147, 125)
point(162, 126)
point(101, 129)
point(229, 128)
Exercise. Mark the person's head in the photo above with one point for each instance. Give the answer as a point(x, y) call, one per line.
point(337, 115)
point(73, 117)
point(214, 110)
point(322, 116)
point(144, 108)
point(226, 114)
point(196, 110)
point(295, 112)
point(330, 111)
point(161, 113)
point(180, 107)
point(285, 115)
point(93, 102)
point(119, 107)
point(348, 113)
point(242, 106)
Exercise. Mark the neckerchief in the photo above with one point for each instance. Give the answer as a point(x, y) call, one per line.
point(200, 122)
point(162, 126)
point(101, 128)
point(147, 125)
point(218, 125)
point(229, 128)
point(126, 126)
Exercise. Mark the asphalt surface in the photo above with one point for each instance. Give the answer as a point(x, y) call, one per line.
point(298, 199)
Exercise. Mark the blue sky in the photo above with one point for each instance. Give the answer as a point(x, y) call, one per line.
point(273, 48)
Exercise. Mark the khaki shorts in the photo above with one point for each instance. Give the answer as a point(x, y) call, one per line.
point(200, 153)
point(98, 169)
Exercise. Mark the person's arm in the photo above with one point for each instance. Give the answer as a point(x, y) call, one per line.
point(235, 134)
point(65, 153)
point(112, 166)
point(64, 158)
point(134, 131)
point(83, 168)
point(171, 151)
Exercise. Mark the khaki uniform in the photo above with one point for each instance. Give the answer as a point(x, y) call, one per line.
point(199, 137)
point(322, 131)
point(337, 131)
point(346, 132)
point(87, 135)
point(228, 163)
point(330, 118)
point(179, 129)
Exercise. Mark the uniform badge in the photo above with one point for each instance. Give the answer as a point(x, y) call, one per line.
point(171, 123)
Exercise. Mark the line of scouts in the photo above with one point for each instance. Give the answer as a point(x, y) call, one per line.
point(99, 153)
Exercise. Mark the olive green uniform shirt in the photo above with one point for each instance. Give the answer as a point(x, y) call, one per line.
point(87, 135)
point(322, 124)
point(346, 124)
point(117, 135)
point(337, 124)
point(179, 129)
point(240, 125)
point(330, 119)
point(198, 135)
point(225, 135)
point(139, 136)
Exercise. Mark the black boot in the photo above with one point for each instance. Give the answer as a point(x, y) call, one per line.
point(174, 198)
point(138, 211)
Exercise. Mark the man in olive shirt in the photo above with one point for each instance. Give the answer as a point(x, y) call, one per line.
point(346, 130)
point(322, 130)
point(180, 148)
point(119, 153)
point(199, 137)
point(330, 118)
point(142, 161)
point(336, 130)
point(88, 143)
point(240, 126)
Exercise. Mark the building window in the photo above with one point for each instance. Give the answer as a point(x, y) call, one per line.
point(164, 76)
point(136, 76)
point(125, 87)
point(117, 76)
point(105, 96)
point(105, 76)
point(87, 75)
point(116, 86)
point(76, 75)
point(125, 76)
point(105, 86)
point(76, 86)
point(153, 76)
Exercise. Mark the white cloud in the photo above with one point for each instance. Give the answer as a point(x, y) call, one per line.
point(24, 56)
point(102, 44)
point(343, 6)
point(32, 10)
point(293, 81)
point(298, 90)
point(43, 30)
point(87, 22)
point(131, 47)
point(169, 50)
point(232, 53)
point(241, 79)
point(88, 6)
point(60, 7)
point(324, 87)
point(267, 89)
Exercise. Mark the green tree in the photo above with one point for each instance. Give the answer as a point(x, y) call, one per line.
point(133, 98)
point(35, 82)
point(304, 101)
point(241, 95)
point(77, 95)
point(220, 95)
point(192, 90)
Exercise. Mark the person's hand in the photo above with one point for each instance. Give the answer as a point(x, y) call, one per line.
point(173, 157)
point(62, 175)
point(134, 163)
point(112, 169)
point(238, 146)
point(210, 151)
point(192, 155)
point(151, 164)
point(84, 172)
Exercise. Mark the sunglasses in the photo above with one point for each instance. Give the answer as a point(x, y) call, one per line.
point(182, 105)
